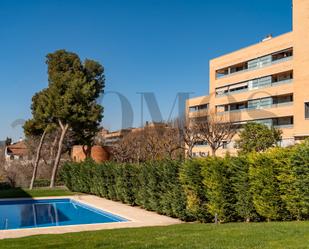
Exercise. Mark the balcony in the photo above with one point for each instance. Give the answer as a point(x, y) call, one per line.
point(257, 63)
point(258, 108)
point(259, 83)
point(286, 126)
point(199, 113)
point(285, 123)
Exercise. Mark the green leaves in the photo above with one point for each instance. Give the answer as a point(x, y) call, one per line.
point(265, 170)
point(257, 137)
point(152, 185)
point(217, 175)
point(297, 194)
point(241, 185)
point(273, 185)
point(74, 88)
point(192, 181)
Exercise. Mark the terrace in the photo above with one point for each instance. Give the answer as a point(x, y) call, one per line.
point(257, 63)
point(263, 103)
point(259, 83)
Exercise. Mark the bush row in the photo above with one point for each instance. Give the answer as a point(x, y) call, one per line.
point(154, 185)
point(268, 186)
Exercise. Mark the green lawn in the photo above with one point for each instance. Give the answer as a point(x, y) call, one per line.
point(39, 192)
point(294, 235)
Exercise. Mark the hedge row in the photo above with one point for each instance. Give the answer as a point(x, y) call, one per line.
point(269, 186)
point(154, 186)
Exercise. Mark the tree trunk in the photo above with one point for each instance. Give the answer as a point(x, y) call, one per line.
point(52, 156)
point(37, 159)
point(64, 129)
point(52, 151)
point(190, 151)
point(87, 151)
point(213, 152)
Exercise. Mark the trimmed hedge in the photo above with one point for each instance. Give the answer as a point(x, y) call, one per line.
point(154, 186)
point(262, 186)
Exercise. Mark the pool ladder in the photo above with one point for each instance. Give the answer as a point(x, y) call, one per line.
point(6, 224)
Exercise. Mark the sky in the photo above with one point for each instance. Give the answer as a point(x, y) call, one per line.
point(157, 46)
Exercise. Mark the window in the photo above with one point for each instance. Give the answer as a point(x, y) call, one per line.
point(266, 102)
point(239, 106)
point(238, 87)
point(222, 91)
point(283, 99)
point(267, 122)
point(307, 110)
point(202, 107)
point(282, 55)
point(255, 63)
point(198, 108)
point(285, 76)
point(201, 143)
point(224, 145)
point(283, 122)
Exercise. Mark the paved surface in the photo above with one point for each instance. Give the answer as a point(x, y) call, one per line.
point(137, 218)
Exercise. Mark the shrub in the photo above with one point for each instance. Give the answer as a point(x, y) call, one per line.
point(265, 170)
point(4, 185)
point(39, 183)
point(217, 175)
point(297, 182)
point(172, 197)
point(244, 206)
point(160, 188)
point(153, 185)
point(192, 181)
point(273, 185)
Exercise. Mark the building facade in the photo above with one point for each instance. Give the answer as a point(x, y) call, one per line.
point(111, 138)
point(266, 83)
point(16, 151)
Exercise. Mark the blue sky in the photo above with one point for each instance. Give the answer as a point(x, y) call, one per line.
point(159, 46)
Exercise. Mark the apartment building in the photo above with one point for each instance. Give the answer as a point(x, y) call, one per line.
point(111, 138)
point(266, 83)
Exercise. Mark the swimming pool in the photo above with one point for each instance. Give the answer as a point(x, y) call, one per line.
point(50, 212)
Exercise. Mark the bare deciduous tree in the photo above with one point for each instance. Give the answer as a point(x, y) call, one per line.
point(216, 130)
point(190, 135)
point(129, 148)
point(149, 143)
point(172, 143)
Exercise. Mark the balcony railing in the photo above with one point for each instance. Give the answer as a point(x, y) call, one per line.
point(288, 81)
point(198, 113)
point(259, 108)
point(286, 126)
point(255, 68)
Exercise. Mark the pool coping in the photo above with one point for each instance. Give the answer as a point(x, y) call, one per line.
point(136, 216)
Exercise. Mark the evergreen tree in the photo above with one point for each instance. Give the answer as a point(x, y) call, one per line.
point(8, 141)
point(40, 124)
point(257, 137)
point(74, 88)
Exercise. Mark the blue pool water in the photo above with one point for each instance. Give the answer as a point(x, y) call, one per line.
point(52, 212)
